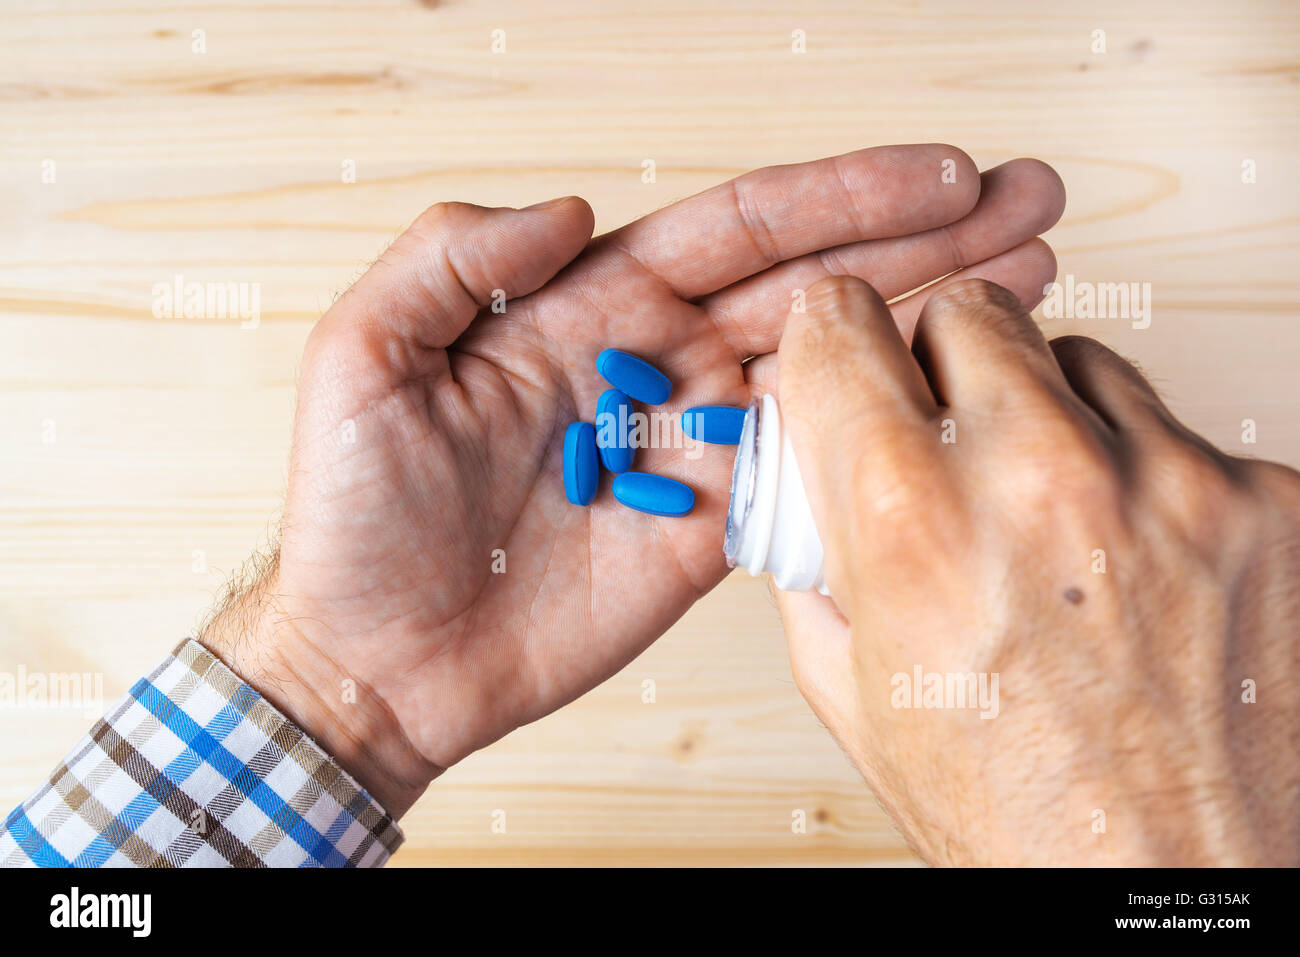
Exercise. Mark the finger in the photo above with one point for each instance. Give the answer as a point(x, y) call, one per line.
point(821, 658)
point(1110, 384)
point(449, 264)
point(760, 374)
point(742, 227)
point(843, 356)
point(1022, 271)
point(980, 348)
point(850, 392)
point(1017, 201)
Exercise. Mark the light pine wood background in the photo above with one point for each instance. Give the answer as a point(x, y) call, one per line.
point(170, 435)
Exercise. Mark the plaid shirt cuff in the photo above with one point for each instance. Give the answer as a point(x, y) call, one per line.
point(194, 768)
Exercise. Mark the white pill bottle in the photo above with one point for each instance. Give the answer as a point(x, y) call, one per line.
point(769, 523)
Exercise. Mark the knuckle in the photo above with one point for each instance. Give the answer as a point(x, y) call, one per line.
point(823, 354)
point(837, 295)
point(439, 217)
point(900, 491)
point(1200, 490)
point(977, 307)
point(1066, 462)
point(353, 346)
point(1094, 509)
point(1272, 482)
point(1076, 350)
point(1080, 355)
point(975, 294)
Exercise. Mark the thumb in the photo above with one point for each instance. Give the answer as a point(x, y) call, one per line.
point(821, 658)
point(452, 261)
point(850, 394)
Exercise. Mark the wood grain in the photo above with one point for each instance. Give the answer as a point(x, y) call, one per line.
point(169, 435)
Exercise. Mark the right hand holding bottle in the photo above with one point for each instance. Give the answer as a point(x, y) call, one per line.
point(1030, 514)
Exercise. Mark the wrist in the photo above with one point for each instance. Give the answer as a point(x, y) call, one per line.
point(255, 635)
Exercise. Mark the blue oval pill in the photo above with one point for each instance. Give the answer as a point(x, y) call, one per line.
point(614, 430)
point(719, 424)
point(581, 468)
point(653, 493)
point(636, 377)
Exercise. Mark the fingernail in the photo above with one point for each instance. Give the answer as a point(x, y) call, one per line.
point(548, 204)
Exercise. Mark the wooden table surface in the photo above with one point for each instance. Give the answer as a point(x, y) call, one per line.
point(141, 459)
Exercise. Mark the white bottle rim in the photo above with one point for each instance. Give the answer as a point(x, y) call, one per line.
point(770, 526)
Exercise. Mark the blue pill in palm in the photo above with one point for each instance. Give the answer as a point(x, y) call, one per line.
point(719, 424)
point(636, 377)
point(653, 493)
point(581, 465)
point(614, 430)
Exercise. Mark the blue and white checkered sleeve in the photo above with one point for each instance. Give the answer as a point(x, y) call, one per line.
point(195, 768)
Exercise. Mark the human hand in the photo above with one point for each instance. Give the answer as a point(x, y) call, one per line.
point(429, 428)
point(1131, 587)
